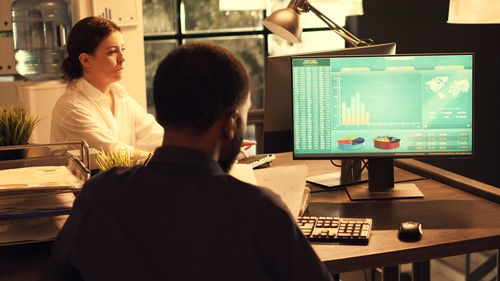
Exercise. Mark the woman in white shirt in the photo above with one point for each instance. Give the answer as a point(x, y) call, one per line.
point(95, 107)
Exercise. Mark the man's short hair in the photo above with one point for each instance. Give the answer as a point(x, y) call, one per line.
point(195, 84)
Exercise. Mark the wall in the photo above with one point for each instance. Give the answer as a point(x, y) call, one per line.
point(420, 26)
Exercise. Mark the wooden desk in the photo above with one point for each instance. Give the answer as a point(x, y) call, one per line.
point(454, 223)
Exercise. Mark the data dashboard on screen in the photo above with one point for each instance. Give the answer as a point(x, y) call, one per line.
point(369, 106)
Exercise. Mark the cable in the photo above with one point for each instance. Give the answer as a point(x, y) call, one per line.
point(351, 179)
point(419, 179)
point(336, 165)
point(351, 175)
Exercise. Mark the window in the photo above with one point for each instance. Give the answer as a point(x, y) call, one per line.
point(169, 23)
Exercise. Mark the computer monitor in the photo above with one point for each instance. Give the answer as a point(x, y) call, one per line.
point(278, 100)
point(381, 107)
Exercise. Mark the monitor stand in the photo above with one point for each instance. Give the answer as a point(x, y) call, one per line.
point(381, 183)
point(350, 172)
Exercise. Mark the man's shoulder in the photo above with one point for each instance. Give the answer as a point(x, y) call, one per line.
point(110, 174)
point(107, 181)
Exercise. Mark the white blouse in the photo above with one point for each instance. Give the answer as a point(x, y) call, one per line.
point(83, 112)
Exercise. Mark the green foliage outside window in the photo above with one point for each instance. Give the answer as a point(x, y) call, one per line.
point(204, 15)
point(159, 16)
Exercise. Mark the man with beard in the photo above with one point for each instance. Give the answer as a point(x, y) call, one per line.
point(182, 217)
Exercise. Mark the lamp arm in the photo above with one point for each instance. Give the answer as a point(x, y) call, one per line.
point(296, 3)
point(342, 32)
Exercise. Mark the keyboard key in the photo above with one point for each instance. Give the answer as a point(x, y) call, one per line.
point(336, 229)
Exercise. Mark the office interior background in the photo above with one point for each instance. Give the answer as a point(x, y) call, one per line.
point(415, 26)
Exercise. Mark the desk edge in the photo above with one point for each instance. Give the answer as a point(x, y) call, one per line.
point(469, 185)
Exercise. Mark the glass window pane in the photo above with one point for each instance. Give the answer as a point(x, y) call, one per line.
point(204, 16)
point(312, 41)
point(159, 16)
point(154, 52)
point(249, 49)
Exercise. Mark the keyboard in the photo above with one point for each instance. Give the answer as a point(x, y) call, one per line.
point(257, 161)
point(335, 229)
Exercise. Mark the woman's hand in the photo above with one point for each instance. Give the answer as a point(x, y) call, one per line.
point(246, 144)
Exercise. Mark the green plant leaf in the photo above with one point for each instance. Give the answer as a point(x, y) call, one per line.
point(16, 125)
point(117, 158)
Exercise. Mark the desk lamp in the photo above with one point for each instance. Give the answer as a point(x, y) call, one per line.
point(286, 23)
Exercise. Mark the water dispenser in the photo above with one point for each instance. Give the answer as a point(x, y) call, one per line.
point(40, 29)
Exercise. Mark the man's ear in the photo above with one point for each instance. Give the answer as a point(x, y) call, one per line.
point(84, 59)
point(230, 124)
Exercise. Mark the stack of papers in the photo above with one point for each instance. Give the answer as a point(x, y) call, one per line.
point(289, 182)
point(33, 217)
point(34, 202)
point(32, 205)
point(38, 176)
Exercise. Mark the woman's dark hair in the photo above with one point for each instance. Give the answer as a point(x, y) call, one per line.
point(196, 83)
point(84, 37)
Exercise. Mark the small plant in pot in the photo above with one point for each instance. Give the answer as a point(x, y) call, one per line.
point(118, 158)
point(16, 127)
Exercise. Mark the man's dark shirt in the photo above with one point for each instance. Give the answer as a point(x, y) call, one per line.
point(182, 218)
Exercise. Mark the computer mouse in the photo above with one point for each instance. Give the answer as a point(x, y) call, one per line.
point(409, 231)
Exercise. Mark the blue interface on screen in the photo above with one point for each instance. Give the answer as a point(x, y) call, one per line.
point(376, 106)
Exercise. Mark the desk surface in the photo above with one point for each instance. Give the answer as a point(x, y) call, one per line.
point(454, 222)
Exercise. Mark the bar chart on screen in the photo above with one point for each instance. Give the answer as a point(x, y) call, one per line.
point(369, 100)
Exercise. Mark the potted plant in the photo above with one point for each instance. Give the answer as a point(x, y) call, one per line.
point(16, 127)
point(118, 158)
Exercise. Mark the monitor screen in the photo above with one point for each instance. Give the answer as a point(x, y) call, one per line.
point(278, 100)
point(380, 106)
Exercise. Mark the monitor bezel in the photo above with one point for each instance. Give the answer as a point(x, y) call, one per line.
point(426, 155)
point(277, 123)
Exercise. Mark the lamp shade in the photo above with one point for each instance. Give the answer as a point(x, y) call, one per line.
point(474, 11)
point(285, 23)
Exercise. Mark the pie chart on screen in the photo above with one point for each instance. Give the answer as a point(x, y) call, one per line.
point(351, 143)
point(386, 142)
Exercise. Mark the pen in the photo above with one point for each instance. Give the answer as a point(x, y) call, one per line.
point(146, 161)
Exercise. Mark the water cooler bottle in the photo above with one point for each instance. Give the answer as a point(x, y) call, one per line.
point(40, 30)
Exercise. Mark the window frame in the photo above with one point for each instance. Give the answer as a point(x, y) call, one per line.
point(255, 116)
